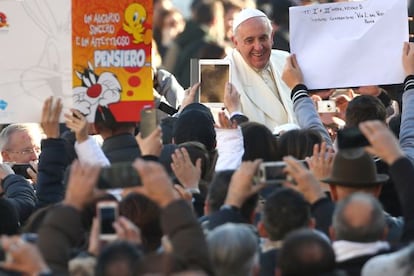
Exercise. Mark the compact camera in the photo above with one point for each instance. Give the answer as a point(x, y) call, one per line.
point(326, 106)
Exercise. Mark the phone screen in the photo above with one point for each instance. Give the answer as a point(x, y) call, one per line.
point(107, 217)
point(148, 121)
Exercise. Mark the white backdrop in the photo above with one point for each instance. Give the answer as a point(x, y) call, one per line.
point(35, 57)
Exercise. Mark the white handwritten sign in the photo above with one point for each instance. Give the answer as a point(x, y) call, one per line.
point(350, 44)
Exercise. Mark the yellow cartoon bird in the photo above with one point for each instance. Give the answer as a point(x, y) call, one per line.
point(135, 16)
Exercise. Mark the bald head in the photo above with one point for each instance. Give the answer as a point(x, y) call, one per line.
point(359, 218)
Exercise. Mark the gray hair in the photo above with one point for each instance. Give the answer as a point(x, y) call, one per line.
point(370, 231)
point(233, 249)
point(5, 134)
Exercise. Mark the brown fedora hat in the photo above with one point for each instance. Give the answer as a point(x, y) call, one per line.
point(354, 168)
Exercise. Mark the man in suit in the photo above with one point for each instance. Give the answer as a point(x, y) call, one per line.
point(256, 71)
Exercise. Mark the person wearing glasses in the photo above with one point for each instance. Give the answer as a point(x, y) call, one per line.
point(20, 143)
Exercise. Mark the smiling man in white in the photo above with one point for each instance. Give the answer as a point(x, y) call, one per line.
point(256, 71)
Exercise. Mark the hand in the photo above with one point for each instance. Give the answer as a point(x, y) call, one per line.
point(241, 185)
point(94, 245)
point(408, 58)
point(231, 98)
point(371, 90)
point(188, 174)
point(81, 185)
point(126, 230)
point(25, 257)
point(184, 194)
point(5, 170)
point(76, 122)
point(32, 172)
point(50, 117)
point(151, 145)
point(156, 184)
point(383, 142)
point(224, 122)
point(320, 164)
point(189, 96)
point(292, 75)
point(305, 181)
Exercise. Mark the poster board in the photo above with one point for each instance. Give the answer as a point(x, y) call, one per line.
point(350, 44)
point(35, 59)
point(112, 57)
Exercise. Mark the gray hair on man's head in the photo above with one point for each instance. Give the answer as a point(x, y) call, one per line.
point(233, 249)
point(354, 228)
point(33, 129)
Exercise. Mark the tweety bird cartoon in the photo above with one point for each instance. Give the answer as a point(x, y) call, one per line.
point(135, 16)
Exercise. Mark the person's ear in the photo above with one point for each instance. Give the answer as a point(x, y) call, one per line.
point(312, 223)
point(5, 156)
point(332, 233)
point(385, 233)
point(262, 230)
point(334, 192)
point(206, 207)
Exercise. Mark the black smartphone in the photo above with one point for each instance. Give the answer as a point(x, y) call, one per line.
point(118, 175)
point(21, 169)
point(148, 121)
point(351, 137)
point(107, 215)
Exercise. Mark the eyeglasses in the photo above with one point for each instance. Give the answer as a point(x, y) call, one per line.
point(34, 150)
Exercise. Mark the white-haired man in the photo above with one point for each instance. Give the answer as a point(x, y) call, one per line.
point(256, 71)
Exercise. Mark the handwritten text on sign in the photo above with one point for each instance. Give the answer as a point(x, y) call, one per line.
point(350, 44)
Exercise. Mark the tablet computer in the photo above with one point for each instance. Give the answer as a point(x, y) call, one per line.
point(213, 76)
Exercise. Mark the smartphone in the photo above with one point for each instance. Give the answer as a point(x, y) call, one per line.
point(107, 215)
point(351, 137)
point(148, 121)
point(213, 76)
point(118, 175)
point(326, 106)
point(21, 169)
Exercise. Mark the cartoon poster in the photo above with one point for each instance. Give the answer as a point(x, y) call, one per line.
point(35, 57)
point(111, 57)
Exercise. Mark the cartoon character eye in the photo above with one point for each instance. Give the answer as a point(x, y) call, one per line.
point(135, 16)
point(92, 77)
point(86, 81)
point(142, 20)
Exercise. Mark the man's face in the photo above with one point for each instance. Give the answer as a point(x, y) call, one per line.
point(254, 39)
point(21, 148)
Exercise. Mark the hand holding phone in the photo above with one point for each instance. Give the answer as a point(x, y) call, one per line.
point(21, 169)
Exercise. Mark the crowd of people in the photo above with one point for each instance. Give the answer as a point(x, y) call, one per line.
point(193, 201)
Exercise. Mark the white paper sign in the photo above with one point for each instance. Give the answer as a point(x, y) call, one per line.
point(350, 44)
point(35, 57)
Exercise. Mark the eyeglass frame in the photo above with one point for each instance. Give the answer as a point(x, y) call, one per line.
point(35, 150)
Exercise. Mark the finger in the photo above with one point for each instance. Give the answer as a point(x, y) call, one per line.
point(185, 156)
point(31, 173)
point(46, 109)
point(119, 229)
point(198, 164)
point(57, 110)
point(406, 48)
point(294, 61)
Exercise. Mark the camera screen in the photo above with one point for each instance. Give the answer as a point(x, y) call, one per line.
point(108, 216)
point(275, 172)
